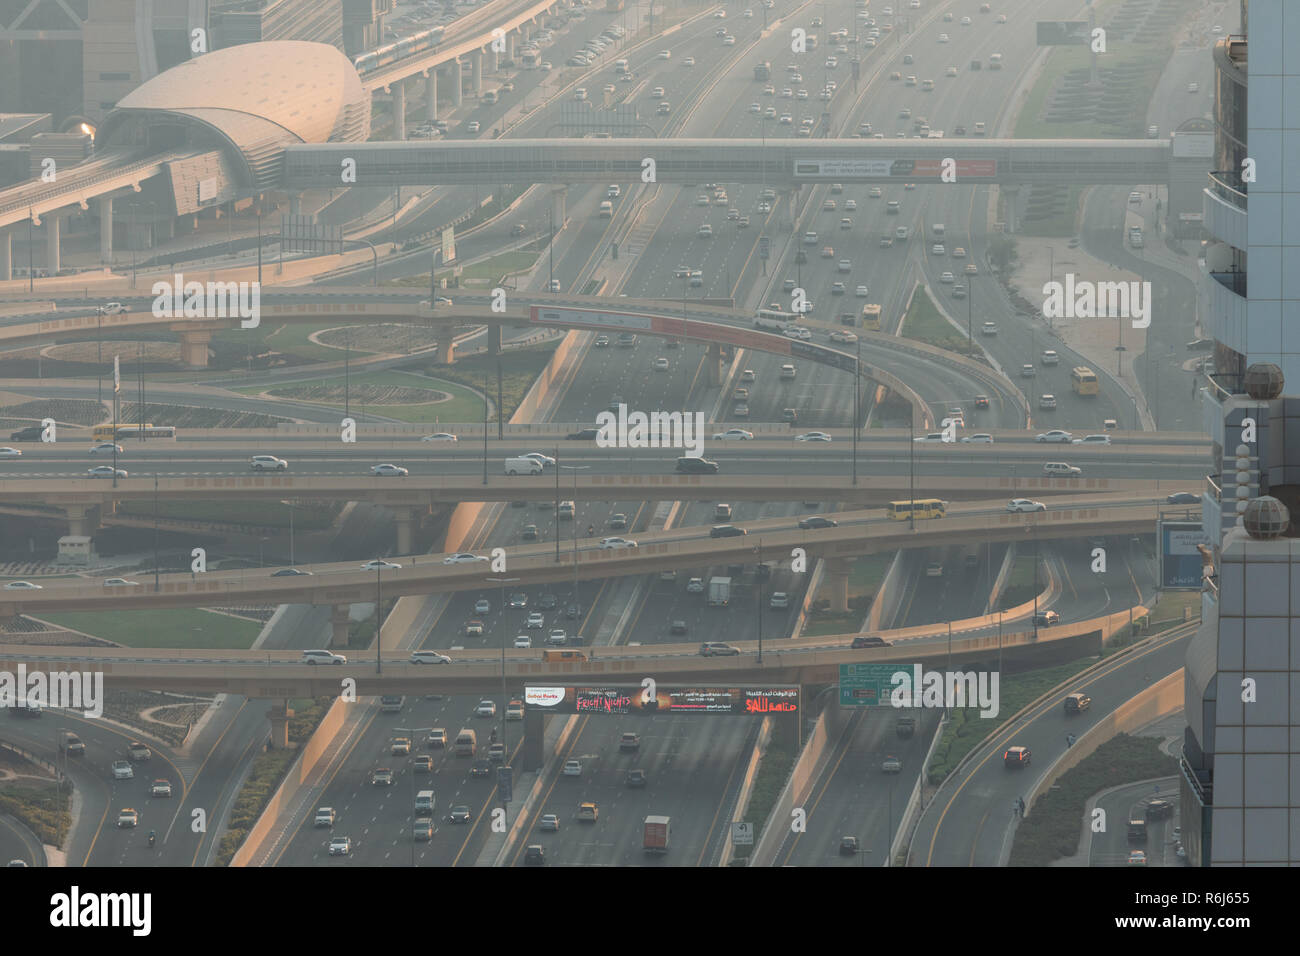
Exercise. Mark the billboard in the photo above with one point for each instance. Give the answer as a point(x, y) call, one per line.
point(1180, 561)
point(839, 169)
point(624, 699)
point(1063, 33)
point(449, 244)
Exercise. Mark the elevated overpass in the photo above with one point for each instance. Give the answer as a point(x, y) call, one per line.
point(858, 533)
point(783, 163)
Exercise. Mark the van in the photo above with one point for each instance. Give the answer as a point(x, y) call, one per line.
point(722, 512)
point(787, 373)
point(466, 743)
point(425, 803)
point(1077, 703)
point(1059, 469)
point(620, 66)
point(563, 656)
point(523, 466)
point(489, 98)
point(606, 209)
point(937, 230)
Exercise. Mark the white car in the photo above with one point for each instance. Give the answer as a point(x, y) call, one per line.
point(340, 846)
point(850, 205)
point(688, 61)
point(105, 448)
point(848, 338)
point(121, 583)
point(267, 463)
point(429, 657)
point(875, 192)
point(546, 460)
point(389, 471)
point(535, 620)
point(861, 292)
point(756, 107)
point(1092, 440)
point(106, 471)
point(122, 770)
point(463, 557)
point(7, 452)
point(572, 768)
point(980, 438)
point(734, 434)
point(486, 708)
point(617, 543)
point(946, 278)
point(440, 436)
point(813, 436)
point(989, 328)
point(661, 364)
point(665, 54)
point(1056, 435)
point(112, 308)
point(943, 38)
point(1016, 505)
point(22, 586)
point(705, 231)
point(379, 564)
point(523, 641)
point(797, 332)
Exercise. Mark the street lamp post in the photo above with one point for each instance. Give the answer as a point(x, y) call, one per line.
point(857, 406)
point(504, 700)
point(485, 427)
point(379, 616)
point(911, 474)
point(575, 469)
point(155, 530)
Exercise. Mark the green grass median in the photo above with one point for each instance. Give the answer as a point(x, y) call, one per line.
point(163, 627)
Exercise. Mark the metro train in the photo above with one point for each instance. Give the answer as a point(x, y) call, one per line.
point(392, 52)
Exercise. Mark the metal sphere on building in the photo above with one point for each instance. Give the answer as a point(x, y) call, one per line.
point(1264, 381)
point(1266, 517)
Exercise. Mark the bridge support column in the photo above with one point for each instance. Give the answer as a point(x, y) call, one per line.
point(399, 111)
point(531, 755)
point(494, 339)
point(6, 255)
point(83, 520)
point(295, 204)
point(445, 353)
point(493, 60)
point(713, 359)
point(194, 348)
point(558, 194)
point(837, 581)
point(339, 624)
point(52, 262)
point(457, 82)
point(431, 96)
point(279, 715)
point(476, 72)
point(510, 45)
point(106, 230)
point(1012, 197)
point(407, 518)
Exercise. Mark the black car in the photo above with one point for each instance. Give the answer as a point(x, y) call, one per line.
point(677, 627)
point(801, 256)
point(1183, 498)
point(635, 778)
point(1159, 810)
point(848, 845)
point(905, 726)
point(535, 855)
point(481, 768)
point(726, 531)
point(290, 573)
point(547, 602)
point(817, 521)
point(861, 642)
point(572, 612)
point(1046, 618)
point(696, 466)
point(30, 433)
point(586, 434)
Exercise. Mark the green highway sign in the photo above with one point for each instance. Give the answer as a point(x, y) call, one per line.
point(868, 685)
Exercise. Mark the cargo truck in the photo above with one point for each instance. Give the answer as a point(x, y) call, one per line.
point(655, 836)
point(719, 591)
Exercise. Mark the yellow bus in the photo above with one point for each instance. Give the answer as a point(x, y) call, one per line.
point(920, 508)
point(132, 430)
point(1083, 380)
point(871, 317)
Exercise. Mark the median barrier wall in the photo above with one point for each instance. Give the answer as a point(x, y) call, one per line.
point(756, 754)
point(775, 829)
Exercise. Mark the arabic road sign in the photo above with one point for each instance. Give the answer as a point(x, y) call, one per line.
point(742, 834)
point(868, 685)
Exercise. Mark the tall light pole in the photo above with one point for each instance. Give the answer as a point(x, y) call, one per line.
point(575, 469)
point(485, 425)
point(857, 405)
point(379, 615)
point(911, 473)
point(504, 699)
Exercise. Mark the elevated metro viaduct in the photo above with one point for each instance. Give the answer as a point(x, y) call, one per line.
point(342, 584)
point(280, 676)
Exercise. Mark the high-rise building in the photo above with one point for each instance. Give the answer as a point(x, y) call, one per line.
point(252, 21)
point(1241, 757)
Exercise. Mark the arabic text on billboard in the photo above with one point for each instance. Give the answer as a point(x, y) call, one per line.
point(1180, 560)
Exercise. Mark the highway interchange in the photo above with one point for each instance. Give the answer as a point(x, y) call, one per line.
point(694, 773)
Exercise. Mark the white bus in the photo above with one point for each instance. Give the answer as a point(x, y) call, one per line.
point(530, 59)
point(774, 319)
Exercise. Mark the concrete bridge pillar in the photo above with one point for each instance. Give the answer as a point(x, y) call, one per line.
point(558, 194)
point(532, 754)
point(431, 96)
point(6, 255)
point(1012, 195)
point(494, 339)
point(52, 262)
point(713, 361)
point(106, 230)
point(406, 520)
point(194, 347)
point(493, 60)
point(444, 353)
point(510, 44)
point(476, 72)
point(279, 715)
point(837, 584)
point(295, 204)
point(82, 519)
point(339, 625)
point(457, 82)
point(399, 110)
